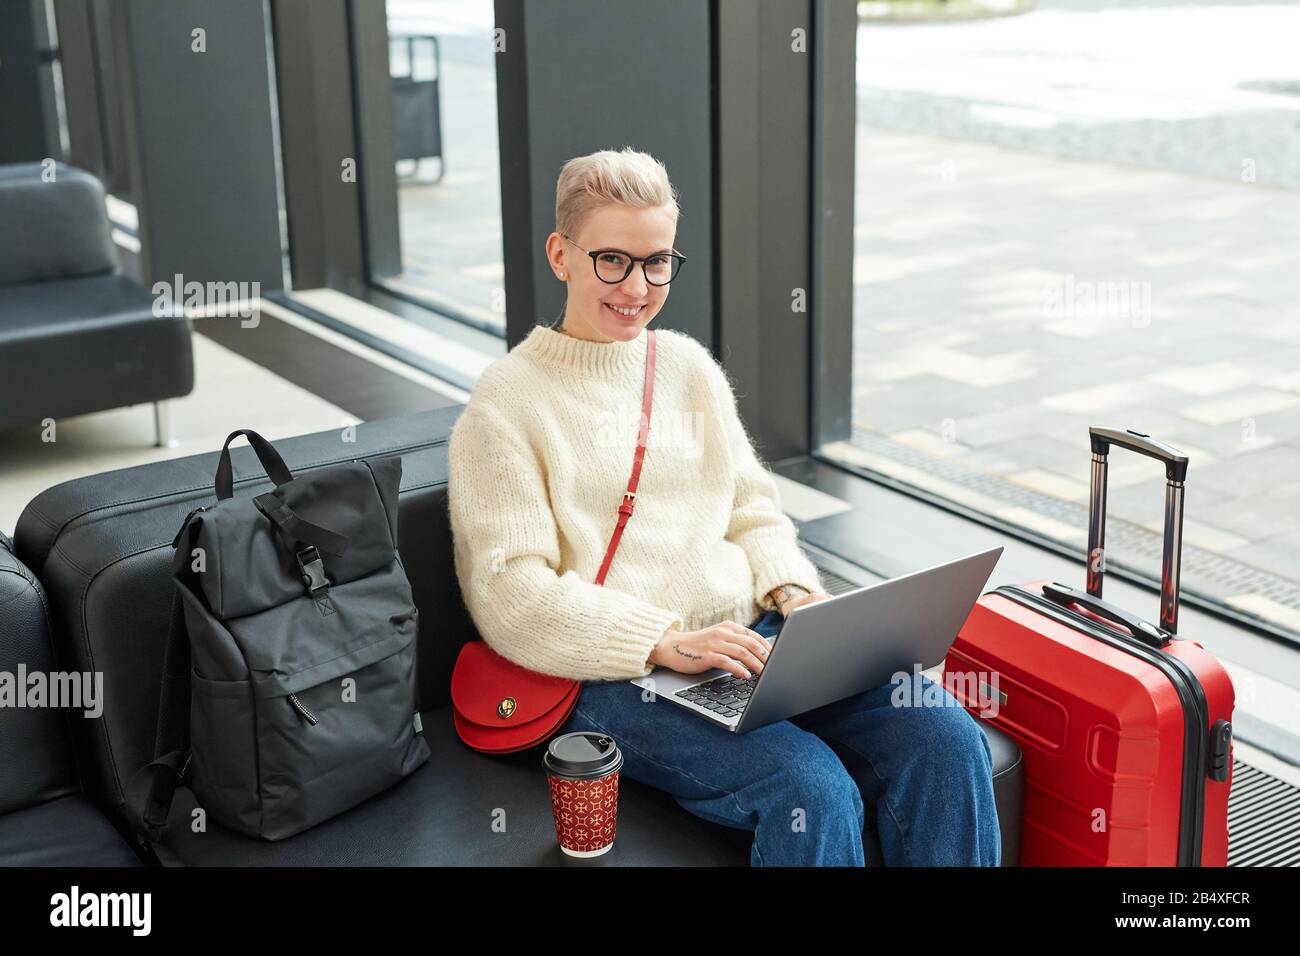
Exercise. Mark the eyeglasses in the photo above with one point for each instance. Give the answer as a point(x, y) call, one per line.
point(615, 265)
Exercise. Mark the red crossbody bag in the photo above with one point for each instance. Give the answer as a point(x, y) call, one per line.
point(500, 707)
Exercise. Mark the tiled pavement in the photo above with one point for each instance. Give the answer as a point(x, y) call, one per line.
point(976, 341)
point(1088, 214)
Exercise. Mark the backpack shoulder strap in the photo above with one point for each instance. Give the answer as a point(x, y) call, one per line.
point(149, 794)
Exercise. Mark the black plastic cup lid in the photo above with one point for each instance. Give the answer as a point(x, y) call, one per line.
point(582, 755)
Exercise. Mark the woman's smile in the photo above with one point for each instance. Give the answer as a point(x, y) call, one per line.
point(627, 312)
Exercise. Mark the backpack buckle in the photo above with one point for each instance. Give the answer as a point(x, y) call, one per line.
point(313, 570)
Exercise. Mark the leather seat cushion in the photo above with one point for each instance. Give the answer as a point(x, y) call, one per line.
point(442, 815)
point(35, 746)
point(68, 831)
point(101, 334)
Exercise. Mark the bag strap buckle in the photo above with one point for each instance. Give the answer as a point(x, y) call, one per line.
point(313, 571)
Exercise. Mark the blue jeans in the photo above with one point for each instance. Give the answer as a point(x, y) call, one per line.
point(928, 771)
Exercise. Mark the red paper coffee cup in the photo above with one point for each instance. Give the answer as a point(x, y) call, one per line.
point(583, 771)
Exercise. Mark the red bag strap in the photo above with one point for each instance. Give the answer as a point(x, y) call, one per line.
point(629, 496)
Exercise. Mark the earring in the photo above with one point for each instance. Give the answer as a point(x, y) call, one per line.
point(561, 275)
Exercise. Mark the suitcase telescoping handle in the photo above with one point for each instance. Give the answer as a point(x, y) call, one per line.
point(1175, 474)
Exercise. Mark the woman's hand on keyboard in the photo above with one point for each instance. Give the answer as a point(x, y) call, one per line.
point(728, 645)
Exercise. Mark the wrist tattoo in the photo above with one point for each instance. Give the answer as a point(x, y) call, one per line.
point(787, 591)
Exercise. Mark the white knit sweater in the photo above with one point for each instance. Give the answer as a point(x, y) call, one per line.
point(539, 461)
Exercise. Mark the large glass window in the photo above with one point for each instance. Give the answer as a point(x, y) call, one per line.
point(1087, 213)
point(448, 185)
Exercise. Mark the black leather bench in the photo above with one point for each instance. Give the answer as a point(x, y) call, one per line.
point(102, 545)
point(45, 818)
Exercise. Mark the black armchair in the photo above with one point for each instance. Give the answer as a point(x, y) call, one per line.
point(76, 335)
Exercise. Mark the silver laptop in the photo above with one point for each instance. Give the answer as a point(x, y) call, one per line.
point(837, 647)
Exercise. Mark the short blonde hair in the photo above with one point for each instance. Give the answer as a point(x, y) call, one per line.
point(607, 176)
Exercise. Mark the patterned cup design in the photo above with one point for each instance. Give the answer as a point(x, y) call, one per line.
point(586, 811)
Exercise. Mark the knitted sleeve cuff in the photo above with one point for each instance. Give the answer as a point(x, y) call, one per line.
point(627, 652)
point(786, 566)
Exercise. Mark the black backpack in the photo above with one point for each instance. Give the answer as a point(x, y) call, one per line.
point(289, 683)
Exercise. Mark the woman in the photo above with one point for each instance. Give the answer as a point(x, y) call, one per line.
point(539, 461)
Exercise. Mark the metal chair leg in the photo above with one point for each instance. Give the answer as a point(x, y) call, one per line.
point(162, 425)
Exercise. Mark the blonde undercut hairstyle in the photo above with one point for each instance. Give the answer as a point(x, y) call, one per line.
point(625, 176)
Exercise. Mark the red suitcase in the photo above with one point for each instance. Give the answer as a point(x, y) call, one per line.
point(1124, 726)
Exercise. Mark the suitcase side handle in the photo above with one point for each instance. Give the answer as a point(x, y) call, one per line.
point(1144, 631)
point(1175, 463)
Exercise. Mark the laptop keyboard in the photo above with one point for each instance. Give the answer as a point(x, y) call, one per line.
point(726, 696)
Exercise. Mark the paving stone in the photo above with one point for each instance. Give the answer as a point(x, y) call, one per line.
point(1282, 426)
point(1046, 452)
point(1240, 405)
point(1224, 441)
point(1279, 554)
point(1257, 473)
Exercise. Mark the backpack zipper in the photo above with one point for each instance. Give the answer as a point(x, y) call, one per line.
point(301, 708)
